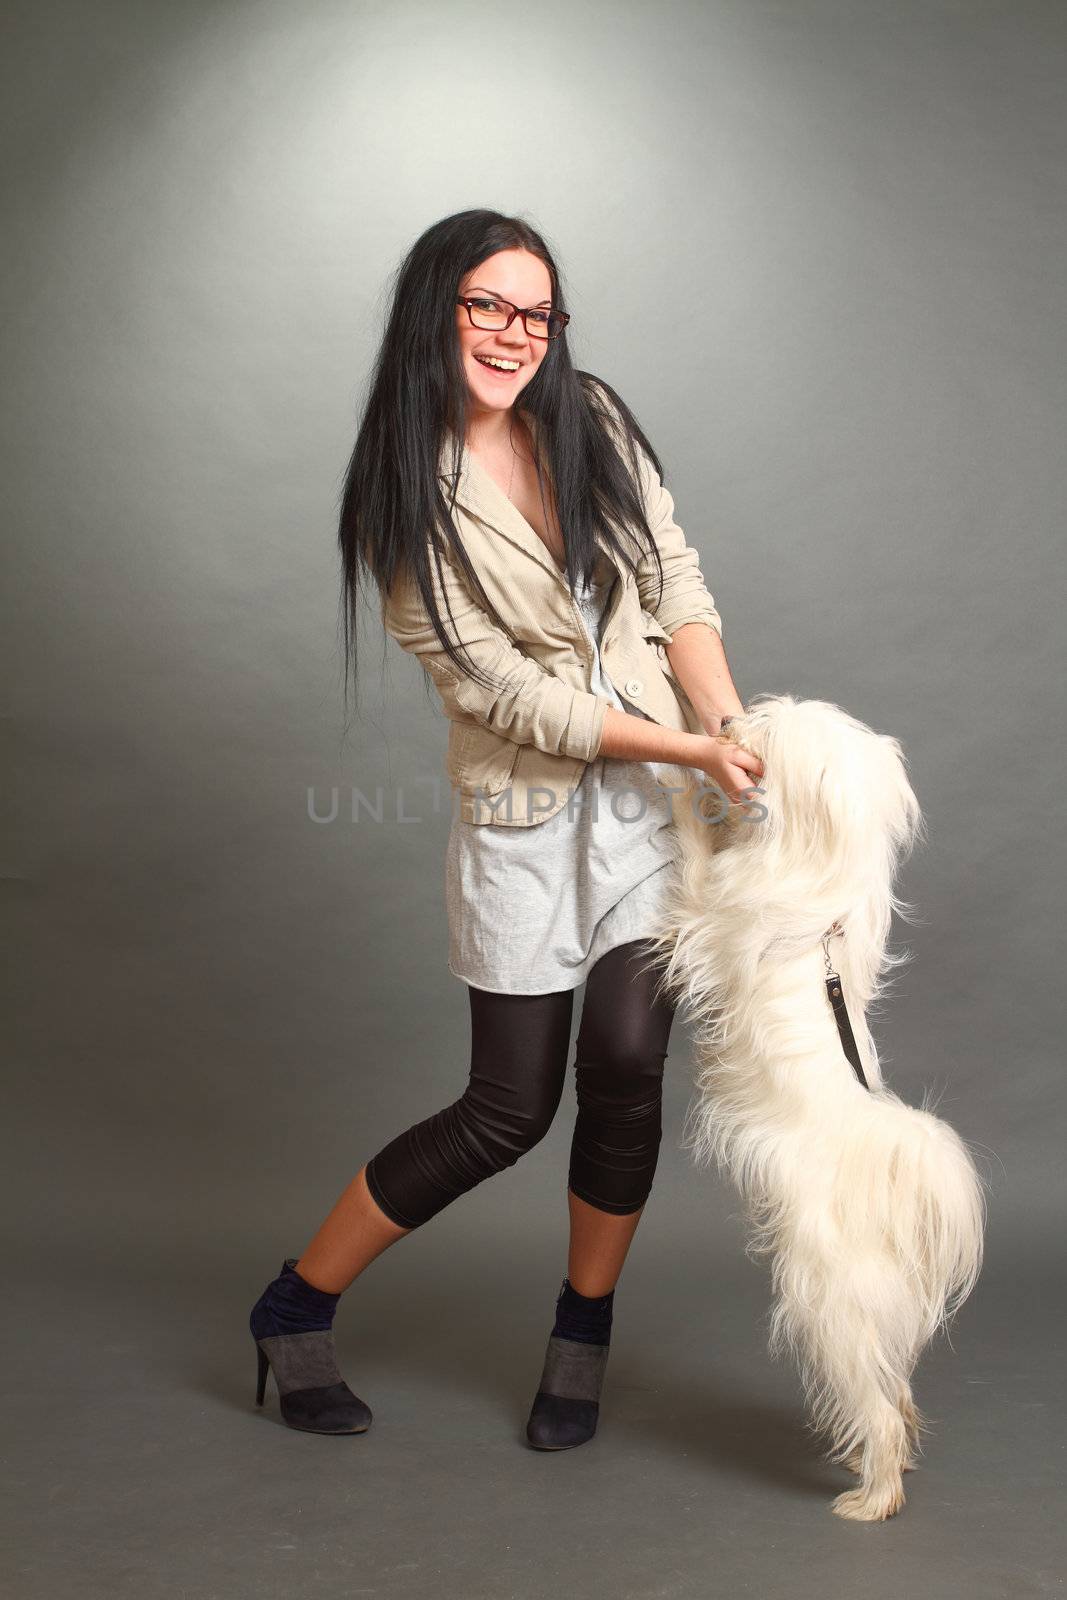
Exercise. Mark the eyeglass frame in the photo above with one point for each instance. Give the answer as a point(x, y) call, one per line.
point(516, 311)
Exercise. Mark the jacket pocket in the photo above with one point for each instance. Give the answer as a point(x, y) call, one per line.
point(479, 759)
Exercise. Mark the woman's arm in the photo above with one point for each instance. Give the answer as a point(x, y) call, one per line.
point(627, 738)
point(698, 661)
point(684, 596)
point(532, 706)
point(685, 609)
point(526, 704)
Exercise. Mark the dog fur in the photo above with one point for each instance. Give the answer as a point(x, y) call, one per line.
point(871, 1211)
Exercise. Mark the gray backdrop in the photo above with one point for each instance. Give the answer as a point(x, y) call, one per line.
point(818, 245)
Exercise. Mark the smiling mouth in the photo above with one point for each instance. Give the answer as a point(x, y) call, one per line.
point(506, 369)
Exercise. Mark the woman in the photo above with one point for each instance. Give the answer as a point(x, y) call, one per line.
point(552, 561)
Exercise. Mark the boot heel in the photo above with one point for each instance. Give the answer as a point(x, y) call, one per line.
point(261, 1376)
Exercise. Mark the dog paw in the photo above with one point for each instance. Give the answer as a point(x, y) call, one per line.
point(869, 1505)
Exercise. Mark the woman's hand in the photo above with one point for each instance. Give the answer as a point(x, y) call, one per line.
point(733, 769)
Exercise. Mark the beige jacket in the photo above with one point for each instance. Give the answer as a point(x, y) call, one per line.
point(516, 754)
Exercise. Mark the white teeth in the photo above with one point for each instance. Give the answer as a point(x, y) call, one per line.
point(505, 366)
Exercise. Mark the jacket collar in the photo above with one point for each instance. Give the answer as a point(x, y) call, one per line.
point(483, 497)
point(479, 494)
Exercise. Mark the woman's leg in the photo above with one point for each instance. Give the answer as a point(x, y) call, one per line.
point(621, 1050)
point(519, 1046)
point(518, 1064)
point(353, 1234)
point(622, 1046)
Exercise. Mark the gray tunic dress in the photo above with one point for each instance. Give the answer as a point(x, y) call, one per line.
point(531, 909)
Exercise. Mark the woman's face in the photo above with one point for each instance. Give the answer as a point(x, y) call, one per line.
point(523, 279)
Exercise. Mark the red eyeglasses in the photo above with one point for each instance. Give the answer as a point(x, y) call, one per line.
point(493, 315)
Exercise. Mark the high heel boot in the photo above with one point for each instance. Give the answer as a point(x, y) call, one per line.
point(566, 1407)
point(292, 1324)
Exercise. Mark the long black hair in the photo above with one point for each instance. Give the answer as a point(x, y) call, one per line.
point(394, 517)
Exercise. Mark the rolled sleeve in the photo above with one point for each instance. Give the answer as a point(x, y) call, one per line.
point(525, 703)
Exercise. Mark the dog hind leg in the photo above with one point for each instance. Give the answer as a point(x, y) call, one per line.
point(914, 1425)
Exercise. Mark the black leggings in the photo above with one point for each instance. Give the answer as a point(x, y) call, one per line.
point(519, 1046)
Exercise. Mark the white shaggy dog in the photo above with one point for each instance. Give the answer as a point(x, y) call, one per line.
point(871, 1211)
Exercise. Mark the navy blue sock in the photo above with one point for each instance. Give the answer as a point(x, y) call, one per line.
point(290, 1304)
point(584, 1318)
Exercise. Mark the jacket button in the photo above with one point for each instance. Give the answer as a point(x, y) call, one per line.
point(633, 687)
